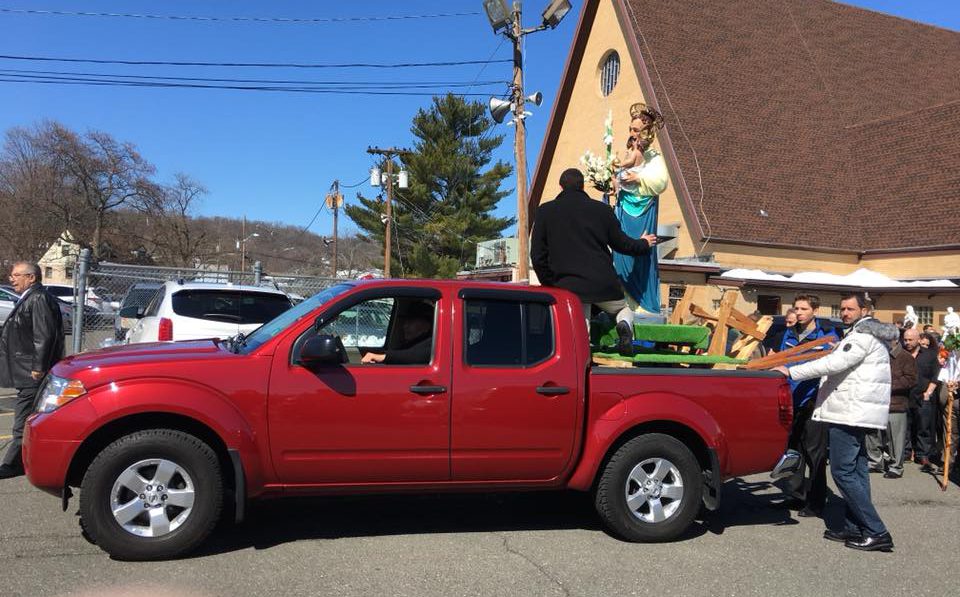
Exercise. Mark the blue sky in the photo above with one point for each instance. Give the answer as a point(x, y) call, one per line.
point(272, 156)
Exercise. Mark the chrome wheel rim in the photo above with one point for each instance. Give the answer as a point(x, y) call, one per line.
point(152, 497)
point(654, 490)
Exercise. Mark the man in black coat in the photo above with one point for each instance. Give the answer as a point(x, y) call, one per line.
point(30, 344)
point(572, 239)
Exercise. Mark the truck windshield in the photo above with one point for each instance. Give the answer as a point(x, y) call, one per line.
point(287, 318)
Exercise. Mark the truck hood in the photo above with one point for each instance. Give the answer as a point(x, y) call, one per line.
point(140, 357)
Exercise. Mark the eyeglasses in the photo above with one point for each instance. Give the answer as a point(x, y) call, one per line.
point(19, 274)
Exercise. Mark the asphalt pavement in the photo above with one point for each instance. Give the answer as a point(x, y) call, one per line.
point(502, 544)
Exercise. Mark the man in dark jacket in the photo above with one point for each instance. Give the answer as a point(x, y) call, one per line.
point(572, 239)
point(903, 377)
point(30, 344)
point(923, 400)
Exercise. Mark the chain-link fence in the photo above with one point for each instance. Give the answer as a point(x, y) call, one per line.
point(109, 287)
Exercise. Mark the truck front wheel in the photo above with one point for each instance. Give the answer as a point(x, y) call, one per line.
point(151, 495)
point(650, 489)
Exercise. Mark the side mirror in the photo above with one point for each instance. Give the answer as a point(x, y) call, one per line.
point(323, 350)
point(132, 312)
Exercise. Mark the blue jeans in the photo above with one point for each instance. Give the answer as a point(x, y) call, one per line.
point(848, 464)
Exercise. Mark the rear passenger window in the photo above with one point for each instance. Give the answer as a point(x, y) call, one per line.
point(507, 333)
point(229, 307)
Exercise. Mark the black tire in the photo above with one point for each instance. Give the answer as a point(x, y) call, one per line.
point(613, 488)
point(196, 462)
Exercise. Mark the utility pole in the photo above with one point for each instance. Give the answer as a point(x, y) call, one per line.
point(520, 148)
point(334, 201)
point(388, 153)
point(506, 20)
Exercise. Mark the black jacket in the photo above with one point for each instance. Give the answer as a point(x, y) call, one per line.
point(32, 338)
point(572, 238)
point(928, 369)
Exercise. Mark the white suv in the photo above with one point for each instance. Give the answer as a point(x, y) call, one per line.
point(195, 310)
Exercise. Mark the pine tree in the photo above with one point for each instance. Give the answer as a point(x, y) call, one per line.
point(453, 191)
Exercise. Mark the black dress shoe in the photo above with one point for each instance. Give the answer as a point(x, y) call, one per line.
point(891, 475)
point(876, 469)
point(9, 472)
point(882, 542)
point(808, 512)
point(841, 536)
point(625, 339)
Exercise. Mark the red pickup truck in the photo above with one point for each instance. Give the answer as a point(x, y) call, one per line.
point(165, 439)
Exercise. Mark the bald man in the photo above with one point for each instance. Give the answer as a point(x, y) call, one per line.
point(923, 402)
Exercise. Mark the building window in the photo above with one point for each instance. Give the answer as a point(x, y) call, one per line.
point(768, 304)
point(64, 250)
point(609, 73)
point(674, 294)
point(924, 315)
point(68, 272)
point(835, 311)
point(48, 272)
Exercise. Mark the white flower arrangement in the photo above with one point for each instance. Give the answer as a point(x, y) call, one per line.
point(600, 168)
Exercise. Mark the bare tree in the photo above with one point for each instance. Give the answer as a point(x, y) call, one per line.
point(177, 236)
point(104, 173)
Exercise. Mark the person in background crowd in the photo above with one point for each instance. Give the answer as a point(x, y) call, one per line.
point(854, 397)
point(30, 345)
point(922, 398)
point(808, 437)
point(885, 449)
point(789, 320)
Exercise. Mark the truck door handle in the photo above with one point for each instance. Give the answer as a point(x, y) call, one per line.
point(423, 390)
point(552, 390)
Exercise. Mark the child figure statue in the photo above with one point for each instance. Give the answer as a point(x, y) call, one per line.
point(643, 176)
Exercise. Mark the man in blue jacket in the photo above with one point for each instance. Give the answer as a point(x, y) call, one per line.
point(807, 437)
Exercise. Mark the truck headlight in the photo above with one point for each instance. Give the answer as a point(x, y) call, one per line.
point(57, 391)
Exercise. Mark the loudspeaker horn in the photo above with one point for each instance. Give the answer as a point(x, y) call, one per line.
point(499, 109)
point(536, 99)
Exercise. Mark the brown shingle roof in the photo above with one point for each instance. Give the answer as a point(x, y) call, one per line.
point(808, 108)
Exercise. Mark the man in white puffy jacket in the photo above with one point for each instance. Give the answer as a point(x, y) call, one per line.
point(854, 397)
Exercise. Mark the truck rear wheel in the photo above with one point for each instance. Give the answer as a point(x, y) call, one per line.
point(650, 490)
point(151, 495)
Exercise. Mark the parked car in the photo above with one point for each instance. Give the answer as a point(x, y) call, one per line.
point(192, 310)
point(164, 439)
point(138, 295)
point(8, 300)
point(98, 298)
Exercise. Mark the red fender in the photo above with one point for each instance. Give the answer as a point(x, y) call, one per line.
point(621, 417)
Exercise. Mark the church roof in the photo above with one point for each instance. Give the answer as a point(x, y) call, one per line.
point(810, 123)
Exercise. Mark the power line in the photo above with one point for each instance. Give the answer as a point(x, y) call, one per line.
point(250, 64)
point(52, 80)
point(337, 83)
point(235, 19)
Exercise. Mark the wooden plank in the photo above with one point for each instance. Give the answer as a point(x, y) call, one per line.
point(740, 346)
point(609, 362)
point(718, 343)
point(782, 358)
point(682, 307)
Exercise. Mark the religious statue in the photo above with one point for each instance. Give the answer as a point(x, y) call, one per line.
point(951, 322)
point(910, 320)
point(641, 179)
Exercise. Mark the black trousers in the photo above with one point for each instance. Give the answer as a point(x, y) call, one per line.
point(809, 437)
point(22, 410)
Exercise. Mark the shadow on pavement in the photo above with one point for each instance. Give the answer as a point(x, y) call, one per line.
point(276, 522)
point(748, 503)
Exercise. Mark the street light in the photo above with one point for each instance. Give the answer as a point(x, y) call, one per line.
point(509, 23)
point(242, 246)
